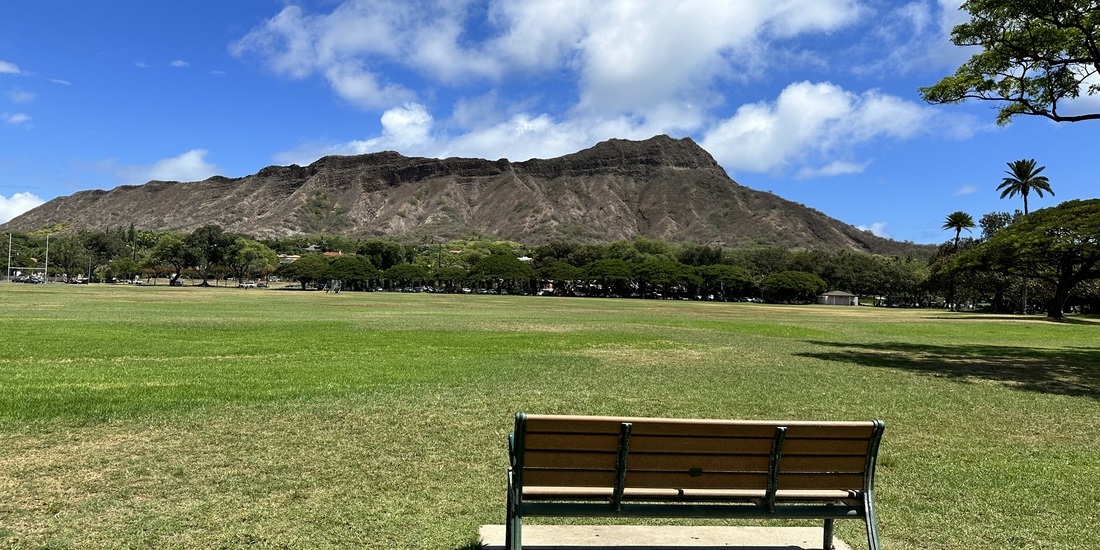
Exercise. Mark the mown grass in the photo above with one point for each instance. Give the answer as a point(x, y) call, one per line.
point(224, 418)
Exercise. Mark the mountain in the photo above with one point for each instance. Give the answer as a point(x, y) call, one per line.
point(660, 188)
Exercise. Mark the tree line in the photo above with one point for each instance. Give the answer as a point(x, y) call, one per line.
point(1051, 256)
point(639, 267)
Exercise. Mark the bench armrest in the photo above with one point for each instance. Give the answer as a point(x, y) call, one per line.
point(512, 449)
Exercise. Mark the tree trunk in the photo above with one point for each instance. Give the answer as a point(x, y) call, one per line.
point(1058, 302)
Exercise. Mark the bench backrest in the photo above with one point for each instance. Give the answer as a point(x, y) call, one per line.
point(582, 451)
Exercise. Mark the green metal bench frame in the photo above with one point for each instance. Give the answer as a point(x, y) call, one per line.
point(580, 466)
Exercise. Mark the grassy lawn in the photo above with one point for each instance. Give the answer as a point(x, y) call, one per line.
point(223, 418)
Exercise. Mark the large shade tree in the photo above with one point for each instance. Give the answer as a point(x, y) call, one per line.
point(246, 257)
point(353, 272)
point(307, 269)
point(792, 286)
point(1036, 55)
point(209, 246)
point(171, 249)
point(502, 270)
point(1059, 245)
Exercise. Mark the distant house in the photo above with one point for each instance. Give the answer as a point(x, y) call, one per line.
point(838, 298)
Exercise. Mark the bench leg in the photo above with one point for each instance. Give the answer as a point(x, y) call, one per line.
point(512, 537)
point(513, 523)
point(871, 523)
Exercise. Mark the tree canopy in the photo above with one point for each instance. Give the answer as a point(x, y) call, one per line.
point(792, 286)
point(1036, 55)
point(1059, 245)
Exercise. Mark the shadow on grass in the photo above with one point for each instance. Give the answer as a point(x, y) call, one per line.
point(1073, 372)
point(1086, 320)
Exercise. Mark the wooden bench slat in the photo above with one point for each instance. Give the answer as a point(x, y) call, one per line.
point(741, 463)
point(667, 443)
point(570, 459)
point(684, 480)
point(689, 427)
point(644, 443)
point(577, 478)
point(587, 460)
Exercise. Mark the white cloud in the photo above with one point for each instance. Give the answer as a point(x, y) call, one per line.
point(629, 55)
point(21, 96)
point(9, 68)
point(363, 88)
point(968, 189)
point(16, 205)
point(635, 68)
point(835, 168)
point(179, 64)
point(405, 129)
point(916, 36)
point(411, 131)
point(633, 54)
point(345, 46)
point(808, 122)
point(190, 166)
point(61, 82)
point(877, 228)
point(15, 119)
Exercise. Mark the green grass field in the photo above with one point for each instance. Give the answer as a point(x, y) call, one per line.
point(135, 417)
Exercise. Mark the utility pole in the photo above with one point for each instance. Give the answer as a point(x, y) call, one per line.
point(46, 275)
point(9, 258)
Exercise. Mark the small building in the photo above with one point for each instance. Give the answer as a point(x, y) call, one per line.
point(838, 298)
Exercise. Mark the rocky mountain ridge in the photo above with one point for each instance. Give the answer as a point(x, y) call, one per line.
point(660, 188)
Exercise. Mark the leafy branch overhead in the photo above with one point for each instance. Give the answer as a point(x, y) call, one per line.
point(1037, 55)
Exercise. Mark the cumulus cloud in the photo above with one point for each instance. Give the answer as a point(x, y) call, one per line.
point(629, 55)
point(809, 122)
point(634, 68)
point(877, 228)
point(8, 68)
point(15, 119)
point(345, 46)
point(412, 131)
point(190, 166)
point(179, 64)
point(16, 205)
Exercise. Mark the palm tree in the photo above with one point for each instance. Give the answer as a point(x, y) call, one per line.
point(958, 221)
point(1024, 178)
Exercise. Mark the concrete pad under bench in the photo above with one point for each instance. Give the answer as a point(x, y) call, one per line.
point(637, 537)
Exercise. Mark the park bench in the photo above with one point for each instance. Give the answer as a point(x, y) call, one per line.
point(593, 466)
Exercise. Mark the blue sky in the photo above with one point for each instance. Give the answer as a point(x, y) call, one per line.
point(813, 100)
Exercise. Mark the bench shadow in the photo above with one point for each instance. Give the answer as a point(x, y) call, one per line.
point(1070, 372)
